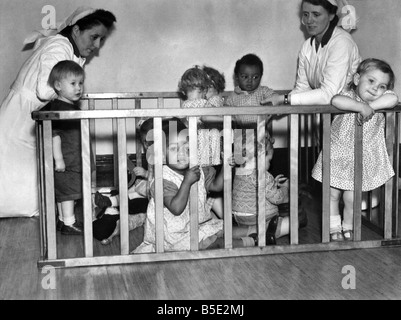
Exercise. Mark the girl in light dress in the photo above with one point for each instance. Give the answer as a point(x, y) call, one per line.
point(370, 90)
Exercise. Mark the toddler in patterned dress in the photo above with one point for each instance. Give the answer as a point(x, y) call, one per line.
point(245, 201)
point(369, 91)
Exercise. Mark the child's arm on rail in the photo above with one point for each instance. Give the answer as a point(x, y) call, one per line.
point(386, 101)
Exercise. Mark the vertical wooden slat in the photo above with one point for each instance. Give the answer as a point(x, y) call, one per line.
point(228, 227)
point(358, 181)
point(326, 178)
point(138, 145)
point(158, 178)
point(123, 185)
point(160, 103)
point(114, 106)
point(300, 160)
point(42, 206)
point(92, 130)
point(50, 203)
point(261, 174)
point(388, 189)
point(397, 213)
point(193, 201)
point(294, 156)
point(306, 136)
point(87, 188)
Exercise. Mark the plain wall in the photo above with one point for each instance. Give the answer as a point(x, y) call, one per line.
point(155, 41)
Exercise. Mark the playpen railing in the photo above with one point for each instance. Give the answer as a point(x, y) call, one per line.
point(44, 120)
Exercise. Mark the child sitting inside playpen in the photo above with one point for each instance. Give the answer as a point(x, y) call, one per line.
point(245, 200)
point(177, 181)
point(201, 88)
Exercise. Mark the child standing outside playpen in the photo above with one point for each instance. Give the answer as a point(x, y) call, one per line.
point(67, 80)
point(177, 181)
point(370, 90)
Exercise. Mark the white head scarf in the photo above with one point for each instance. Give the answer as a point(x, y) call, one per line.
point(346, 14)
point(78, 14)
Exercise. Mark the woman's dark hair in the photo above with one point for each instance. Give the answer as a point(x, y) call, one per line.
point(249, 60)
point(373, 64)
point(98, 17)
point(331, 9)
point(217, 78)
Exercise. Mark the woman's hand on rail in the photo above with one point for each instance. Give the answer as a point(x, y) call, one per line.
point(273, 100)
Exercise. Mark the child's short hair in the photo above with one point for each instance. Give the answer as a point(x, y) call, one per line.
point(194, 78)
point(62, 69)
point(373, 64)
point(217, 78)
point(249, 60)
point(145, 130)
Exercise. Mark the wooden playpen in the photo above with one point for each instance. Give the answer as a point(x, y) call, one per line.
point(302, 122)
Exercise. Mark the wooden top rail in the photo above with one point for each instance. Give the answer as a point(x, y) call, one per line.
point(146, 95)
point(155, 112)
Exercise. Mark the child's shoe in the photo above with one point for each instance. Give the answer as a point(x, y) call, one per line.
point(59, 224)
point(75, 229)
point(348, 235)
point(336, 236)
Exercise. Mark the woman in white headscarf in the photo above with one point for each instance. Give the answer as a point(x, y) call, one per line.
point(76, 39)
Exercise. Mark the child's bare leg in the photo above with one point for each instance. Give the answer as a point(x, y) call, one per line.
point(348, 221)
point(70, 226)
point(218, 207)
point(335, 218)
point(67, 212)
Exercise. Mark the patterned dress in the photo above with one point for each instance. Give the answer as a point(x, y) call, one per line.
point(376, 167)
point(245, 197)
point(209, 140)
point(177, 228)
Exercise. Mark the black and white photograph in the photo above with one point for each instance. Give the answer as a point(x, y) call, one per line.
point(200, 155)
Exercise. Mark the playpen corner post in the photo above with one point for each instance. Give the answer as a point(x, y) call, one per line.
point(50, 202)
point(41, 194)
